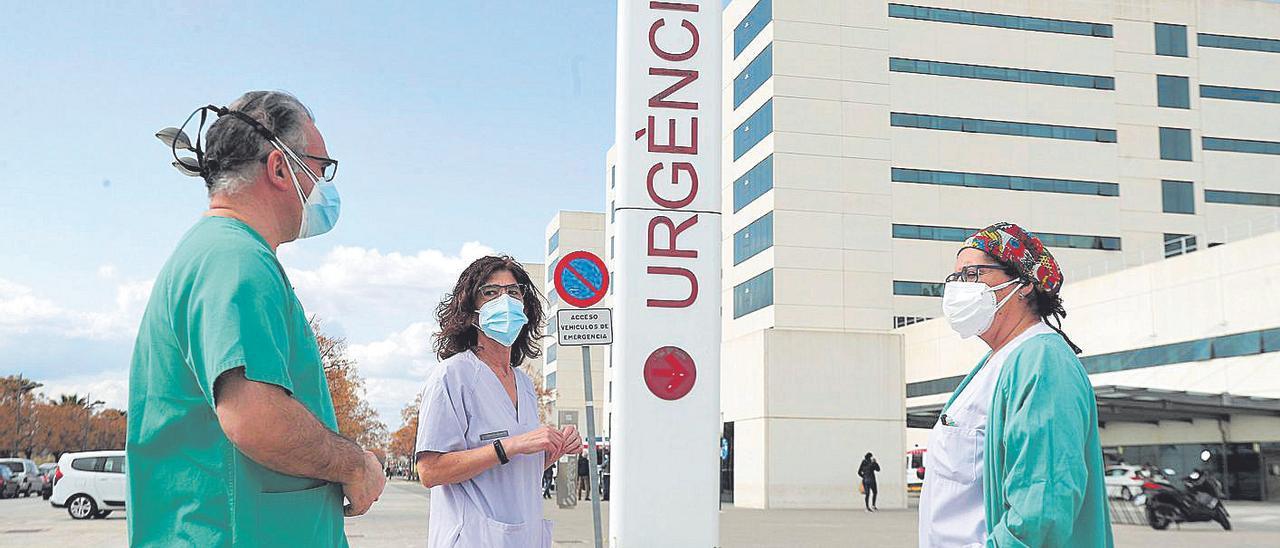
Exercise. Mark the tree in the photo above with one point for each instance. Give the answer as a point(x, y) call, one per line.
point(544, 395)
point(19, 425)
point(356, 418)
point(404, 440)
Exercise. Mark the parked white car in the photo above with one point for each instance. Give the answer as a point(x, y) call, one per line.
point(1124, 481)
point(90, 485)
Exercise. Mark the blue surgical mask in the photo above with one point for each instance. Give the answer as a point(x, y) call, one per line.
point(502, 319)
point(320, 209)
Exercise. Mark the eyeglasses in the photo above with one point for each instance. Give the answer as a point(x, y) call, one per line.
point(972, 273)
point(492, 291)
point(328, 166)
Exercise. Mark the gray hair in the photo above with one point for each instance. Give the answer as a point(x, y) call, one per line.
point(233, 147)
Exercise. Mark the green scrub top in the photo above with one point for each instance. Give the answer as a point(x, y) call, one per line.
point(221, 302)
point(1043, 481)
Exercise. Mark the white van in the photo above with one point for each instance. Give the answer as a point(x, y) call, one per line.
point(90, 485)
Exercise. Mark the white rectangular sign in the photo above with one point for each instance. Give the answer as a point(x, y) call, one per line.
point(666, 360)
point(584, 326)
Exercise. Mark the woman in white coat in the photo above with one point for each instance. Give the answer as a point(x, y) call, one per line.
point(481, 449)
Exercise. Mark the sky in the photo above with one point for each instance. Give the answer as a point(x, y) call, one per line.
point(459, 132)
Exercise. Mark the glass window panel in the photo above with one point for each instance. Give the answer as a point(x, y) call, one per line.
point(1178, 197)
point(1271, 340)
point(1242, 344)
point(753, 130)
point(553, 242)
point(1175, 144)
point(1239, 42)
point(1173, 91)
point(751, 25)
point(753, 184)
point(753, 238)
point(1171, 40)
point(753, 76)
point(753, 294)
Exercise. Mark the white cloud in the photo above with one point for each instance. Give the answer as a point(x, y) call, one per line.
point(112, 387)
point(23, 312)
point(107, 271)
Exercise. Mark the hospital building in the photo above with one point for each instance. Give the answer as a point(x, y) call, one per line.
point(863, 141)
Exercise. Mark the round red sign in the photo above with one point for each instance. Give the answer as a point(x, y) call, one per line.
point(670, 373)
point(581, 279)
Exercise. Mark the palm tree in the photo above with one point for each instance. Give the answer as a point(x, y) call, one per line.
point(74, 400)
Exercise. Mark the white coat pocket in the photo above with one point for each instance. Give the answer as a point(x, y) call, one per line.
point(958, 454)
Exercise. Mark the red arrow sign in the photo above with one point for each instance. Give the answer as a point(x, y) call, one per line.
point(670, 373)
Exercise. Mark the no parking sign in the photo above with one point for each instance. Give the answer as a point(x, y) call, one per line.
point(581, 279)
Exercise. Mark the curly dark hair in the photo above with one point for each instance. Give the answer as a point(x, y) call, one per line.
point(456, 313)
point(1045, 304)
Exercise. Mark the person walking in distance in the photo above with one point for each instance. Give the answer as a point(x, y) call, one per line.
point(584, 478)
point(867, 471)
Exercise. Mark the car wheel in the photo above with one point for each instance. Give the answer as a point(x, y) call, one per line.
point(1126, 493)
point(81, 507)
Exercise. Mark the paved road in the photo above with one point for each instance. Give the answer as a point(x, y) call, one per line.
point(400, 519)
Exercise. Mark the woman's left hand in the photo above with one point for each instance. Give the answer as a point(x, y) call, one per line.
point(572, 441)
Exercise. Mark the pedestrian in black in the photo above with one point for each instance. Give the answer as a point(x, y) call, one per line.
point(584, 477)
point(867, 471)
point(548, 479)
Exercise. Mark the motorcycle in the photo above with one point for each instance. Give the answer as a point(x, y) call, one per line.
point(1200, 499)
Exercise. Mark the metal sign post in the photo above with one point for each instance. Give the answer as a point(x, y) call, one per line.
point(581, 280)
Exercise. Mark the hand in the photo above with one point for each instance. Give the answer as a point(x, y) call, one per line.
point(365, 488)
point(572, 441)
point(543, 439)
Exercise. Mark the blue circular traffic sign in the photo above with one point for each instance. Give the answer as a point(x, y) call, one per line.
point(581, 279)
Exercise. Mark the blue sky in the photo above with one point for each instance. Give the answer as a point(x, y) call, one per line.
point(458, 131)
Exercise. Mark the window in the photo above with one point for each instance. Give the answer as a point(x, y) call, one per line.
point(753, 294)
point(553, 243)
point(1171, 40)
point(1179, 196)
point(1240, 145)
point(551, 352)
point(613, 176)
point(917, 289)
point(996, 127)
point(1268, 45)
point(550, 381)
point(1175, 144)
point(1003, 182)
point(613, 211)
point(551, 326)
point(1173, 91)
point(1226, 346)
point(114, 465)
point(1050, 239)
point(1178, 244)
point(753, 130)
point(752, 77)
point(753, 184)
point(753, 238)
point(903, 321)
point(90, 464)
point(981, 72)
point(1240, 94)
point(1241, 198)
point(610, 247)
point(751, 25)
point(1015, 22)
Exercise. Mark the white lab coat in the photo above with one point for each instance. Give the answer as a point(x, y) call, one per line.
point(952, 510)
point(465, 406)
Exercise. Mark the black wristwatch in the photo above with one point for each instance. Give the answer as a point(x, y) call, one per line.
point(502, 453)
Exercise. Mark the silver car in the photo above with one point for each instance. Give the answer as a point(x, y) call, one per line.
point(25, 474)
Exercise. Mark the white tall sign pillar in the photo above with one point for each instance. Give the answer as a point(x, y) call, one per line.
point(666, 394)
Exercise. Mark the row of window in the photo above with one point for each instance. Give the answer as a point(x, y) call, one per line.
point(1178, 244)
point(1003, 182)
point(1227, 346)
point(1241, 198)
point(753, 76)
point(753, 184)
point(753, 294)
point(982, 19)
point(998, 127)
point(753, 238)
point(751, 25)
point(903, 321)
point(918, 289)
point(1240, 145)
point(1238, 42)
point(1240, 94)
point(753, 130)
point(955, 234)
point(984, 72)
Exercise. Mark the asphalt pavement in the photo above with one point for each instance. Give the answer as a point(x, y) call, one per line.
point(400, 519)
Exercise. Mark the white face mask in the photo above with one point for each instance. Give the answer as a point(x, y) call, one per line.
point(970, 307)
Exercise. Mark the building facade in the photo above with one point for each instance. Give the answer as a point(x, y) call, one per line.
point(864, 139)
point(562, 373)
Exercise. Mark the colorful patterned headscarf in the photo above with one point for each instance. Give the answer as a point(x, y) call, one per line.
point(1013, 246)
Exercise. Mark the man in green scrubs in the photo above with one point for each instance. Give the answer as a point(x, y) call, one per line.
point(232, 437)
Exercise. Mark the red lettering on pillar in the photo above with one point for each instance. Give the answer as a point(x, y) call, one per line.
point(673, 6)
point(670, 147)
point(660, 99)
point(672, 250)
point(674, 271)
point(676, 168)
point(653, 42)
